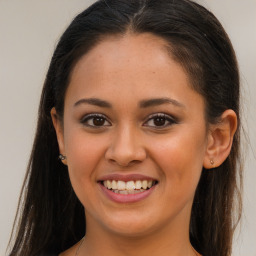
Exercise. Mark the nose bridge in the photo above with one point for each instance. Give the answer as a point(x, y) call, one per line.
point(126, 146)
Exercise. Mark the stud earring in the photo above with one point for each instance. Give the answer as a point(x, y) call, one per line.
point(212, 162)
point(62, 157)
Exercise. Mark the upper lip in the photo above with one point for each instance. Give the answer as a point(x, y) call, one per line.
point(125, 177)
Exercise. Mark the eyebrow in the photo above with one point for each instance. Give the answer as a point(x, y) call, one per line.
point(160, 101)
point(142, 104)
point(95, 102)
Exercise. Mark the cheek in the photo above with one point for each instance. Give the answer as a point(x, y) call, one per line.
point(180, 160)
point(84, 153)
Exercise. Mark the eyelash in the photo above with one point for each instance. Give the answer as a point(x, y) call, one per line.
point(167, 118)
point(92, 117)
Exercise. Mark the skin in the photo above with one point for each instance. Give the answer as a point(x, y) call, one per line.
point(124, 71)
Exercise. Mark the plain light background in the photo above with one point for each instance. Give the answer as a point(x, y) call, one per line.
point(29, 30)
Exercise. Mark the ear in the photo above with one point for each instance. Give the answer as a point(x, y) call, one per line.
point(220, 139)
point(58, 126)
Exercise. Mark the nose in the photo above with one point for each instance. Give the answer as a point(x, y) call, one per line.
point(126, 148)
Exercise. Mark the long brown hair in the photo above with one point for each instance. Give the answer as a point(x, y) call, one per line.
point(50, 217)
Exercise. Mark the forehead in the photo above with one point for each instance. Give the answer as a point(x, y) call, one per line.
point(128, 53)
point(131, 66)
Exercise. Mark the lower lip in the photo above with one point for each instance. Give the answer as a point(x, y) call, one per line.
point(130, 198)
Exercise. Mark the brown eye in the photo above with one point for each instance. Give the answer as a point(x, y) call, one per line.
point(160, 120)
point(98, 121)
point(95, 120)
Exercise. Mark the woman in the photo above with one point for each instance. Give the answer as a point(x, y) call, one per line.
point(137, 145)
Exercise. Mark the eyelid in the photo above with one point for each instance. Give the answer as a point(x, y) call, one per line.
point(172, 120)
point(91, 116)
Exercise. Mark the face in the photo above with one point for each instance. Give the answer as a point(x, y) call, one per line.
point(134, 135)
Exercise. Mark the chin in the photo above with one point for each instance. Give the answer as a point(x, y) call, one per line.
point(131, 225)
point(130, 230)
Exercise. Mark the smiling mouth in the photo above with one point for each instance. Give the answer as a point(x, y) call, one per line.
point(129, 187)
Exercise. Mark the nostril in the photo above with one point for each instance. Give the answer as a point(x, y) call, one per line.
point(124, 164)
point(125, 154)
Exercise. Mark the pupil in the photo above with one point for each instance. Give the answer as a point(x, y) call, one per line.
point(158, 121)
point(98, 121)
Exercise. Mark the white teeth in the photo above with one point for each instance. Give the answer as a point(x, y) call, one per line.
point(114, 184)
point(121, 185)
point(144, 184)
point(128, 192)
point(109, 184)
point(124, 192)
point(129, 187)
point(138, 184)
